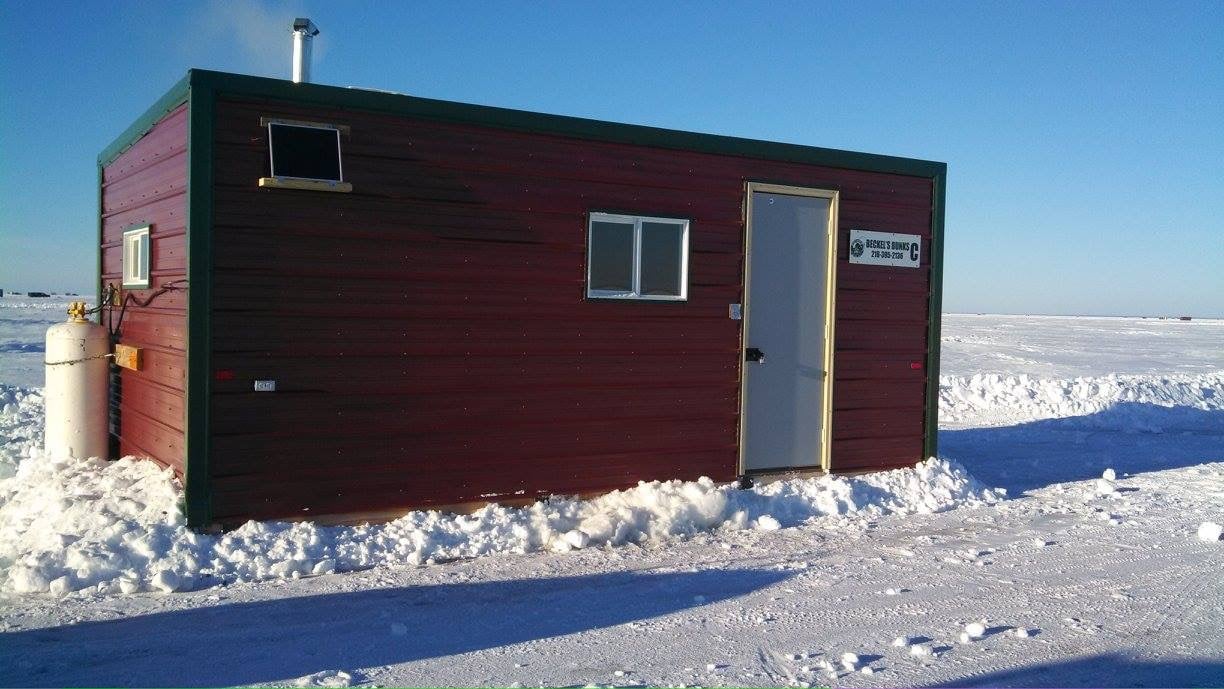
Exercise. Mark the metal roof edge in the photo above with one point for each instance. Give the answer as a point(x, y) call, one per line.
point(562, 125)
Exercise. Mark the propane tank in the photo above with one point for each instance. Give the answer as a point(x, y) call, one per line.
point(75, 396)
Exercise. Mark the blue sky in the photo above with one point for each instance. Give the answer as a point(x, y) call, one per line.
point(1085, 140)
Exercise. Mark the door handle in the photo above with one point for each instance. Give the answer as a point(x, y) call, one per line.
point(754, 354)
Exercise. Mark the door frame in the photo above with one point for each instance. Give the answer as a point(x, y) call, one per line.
point(833, 195)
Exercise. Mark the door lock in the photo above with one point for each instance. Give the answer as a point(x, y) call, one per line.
point(754, 354)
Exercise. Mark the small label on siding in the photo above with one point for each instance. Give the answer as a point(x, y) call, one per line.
point(265, 386)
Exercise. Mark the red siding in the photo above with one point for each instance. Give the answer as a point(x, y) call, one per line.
point(880, 334)
point(147, 184)
point(430, 339)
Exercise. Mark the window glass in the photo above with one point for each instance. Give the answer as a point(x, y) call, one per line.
point(142, 262)
point(611, 257)
point(637, 257)
point(306, 152)
point(662, 258)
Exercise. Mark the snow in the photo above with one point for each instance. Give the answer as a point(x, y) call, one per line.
point(1108, 435)
point(1068, 347)
point(21, 426)
point(996, 399)
point(1105, 487)
point(326, 678)
point(23, 330)
point(1210, 531)
point(115, 527)
point(577, 538)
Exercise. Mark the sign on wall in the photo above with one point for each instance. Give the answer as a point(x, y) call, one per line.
point(885, 248)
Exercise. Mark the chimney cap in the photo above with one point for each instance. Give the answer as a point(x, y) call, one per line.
point(304, 24)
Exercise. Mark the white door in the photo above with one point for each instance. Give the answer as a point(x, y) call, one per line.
point(786, 310)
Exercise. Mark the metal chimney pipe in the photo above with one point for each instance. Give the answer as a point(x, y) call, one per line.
point(304, 31)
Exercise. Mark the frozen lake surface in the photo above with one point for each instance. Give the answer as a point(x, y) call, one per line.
point(1074, 346)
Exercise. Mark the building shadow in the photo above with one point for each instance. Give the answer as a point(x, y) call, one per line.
point(286, 638)
point(1129, 437)
point(1105, 670)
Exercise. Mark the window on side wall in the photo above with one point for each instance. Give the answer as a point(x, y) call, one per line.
point(637, 257)
point(304, 155)
point(136, 249)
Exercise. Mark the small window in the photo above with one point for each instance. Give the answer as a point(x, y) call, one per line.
point(304, 152)
point(637, 257)
point(136, 257)
point(304, 155)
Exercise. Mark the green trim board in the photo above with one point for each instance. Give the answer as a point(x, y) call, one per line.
point(934, 314)
point(198, 450)
point(98, 244)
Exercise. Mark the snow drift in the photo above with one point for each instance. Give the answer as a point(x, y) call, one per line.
point(996, 399)
point(21, 426)
point(117, 527)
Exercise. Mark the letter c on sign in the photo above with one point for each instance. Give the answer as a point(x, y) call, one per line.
point(913, 251)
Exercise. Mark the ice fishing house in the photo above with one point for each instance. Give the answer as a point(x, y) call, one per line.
point(350, 303)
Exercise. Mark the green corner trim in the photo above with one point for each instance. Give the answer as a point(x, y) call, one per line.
point(935, 313)
point(557, 125)
point(198, 451)
point(98, 244)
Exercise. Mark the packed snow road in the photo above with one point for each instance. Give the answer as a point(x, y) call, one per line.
point(1102, 567)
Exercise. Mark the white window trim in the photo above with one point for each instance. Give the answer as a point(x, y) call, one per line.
point(636, 221)
point(135, 271)
point(305, 125)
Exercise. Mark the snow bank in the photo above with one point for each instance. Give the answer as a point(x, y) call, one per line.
point(116, 527)
point(21, 426)
point(1001, 399)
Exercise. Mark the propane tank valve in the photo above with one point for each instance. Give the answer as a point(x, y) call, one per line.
point(77, 312)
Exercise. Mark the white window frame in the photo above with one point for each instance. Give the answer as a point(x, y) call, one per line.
point(637, 220)
point(136, 264)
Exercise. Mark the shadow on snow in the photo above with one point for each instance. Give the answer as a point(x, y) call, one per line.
point(1129, 437)
point(1105, 670)
point(286, 638)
